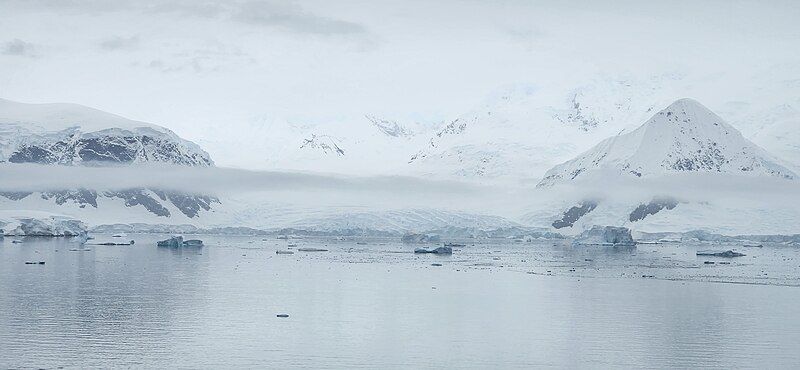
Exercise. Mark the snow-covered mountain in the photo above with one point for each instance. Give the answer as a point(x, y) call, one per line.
point(523, 131)
point(518, 135)
point(685, 168)
point(685, 136)
point(73, 135)
point(365, 145)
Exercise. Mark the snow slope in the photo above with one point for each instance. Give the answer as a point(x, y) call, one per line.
point(363, 146)
point(524, 130)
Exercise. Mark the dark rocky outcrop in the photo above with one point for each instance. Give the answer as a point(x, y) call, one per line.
point(139, 197)
point(107, 149)
point(82, 197)
point(188, 204)
point(573, 214)
point(651, 208)
point(15, 195)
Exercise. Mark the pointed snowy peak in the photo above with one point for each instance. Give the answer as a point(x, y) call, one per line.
point(684, 137)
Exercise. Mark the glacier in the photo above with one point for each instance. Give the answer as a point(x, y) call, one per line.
point(30, 223)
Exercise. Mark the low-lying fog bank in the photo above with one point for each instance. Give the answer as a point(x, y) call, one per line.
point(330, 203)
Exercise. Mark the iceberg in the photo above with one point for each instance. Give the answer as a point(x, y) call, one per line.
point(174, 241)
point(606, 235)
point(177, 241)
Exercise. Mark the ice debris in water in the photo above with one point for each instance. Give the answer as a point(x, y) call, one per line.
point(727, 254)
point(439, 250)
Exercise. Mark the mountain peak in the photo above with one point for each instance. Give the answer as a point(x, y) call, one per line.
point(684, 137)
point(688, 104)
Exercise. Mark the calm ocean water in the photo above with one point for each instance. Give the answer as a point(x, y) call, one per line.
point(496, 304)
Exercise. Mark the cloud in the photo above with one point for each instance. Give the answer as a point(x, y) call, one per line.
point(119, 43)
point(285, 15)
point(209, 58)
point(315, 189)
point(300, 189)
point(214, 180)
point(18, 47)
point(293, 18)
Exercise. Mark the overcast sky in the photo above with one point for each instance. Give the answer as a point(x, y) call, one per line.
point(191, 65)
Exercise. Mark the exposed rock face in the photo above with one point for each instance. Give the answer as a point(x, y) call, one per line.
point(107, 147)
point(15, 195)
point(140, 197)
point(189, 204)
point(81, 196)
point(606, 235)
point(573, 214)
point(655, 206)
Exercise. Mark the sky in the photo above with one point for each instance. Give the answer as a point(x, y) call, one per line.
point(213, 70)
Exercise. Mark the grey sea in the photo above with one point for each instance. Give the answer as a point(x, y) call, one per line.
point(372, 303)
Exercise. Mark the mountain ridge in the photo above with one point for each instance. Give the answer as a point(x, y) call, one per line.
point(74, 135)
